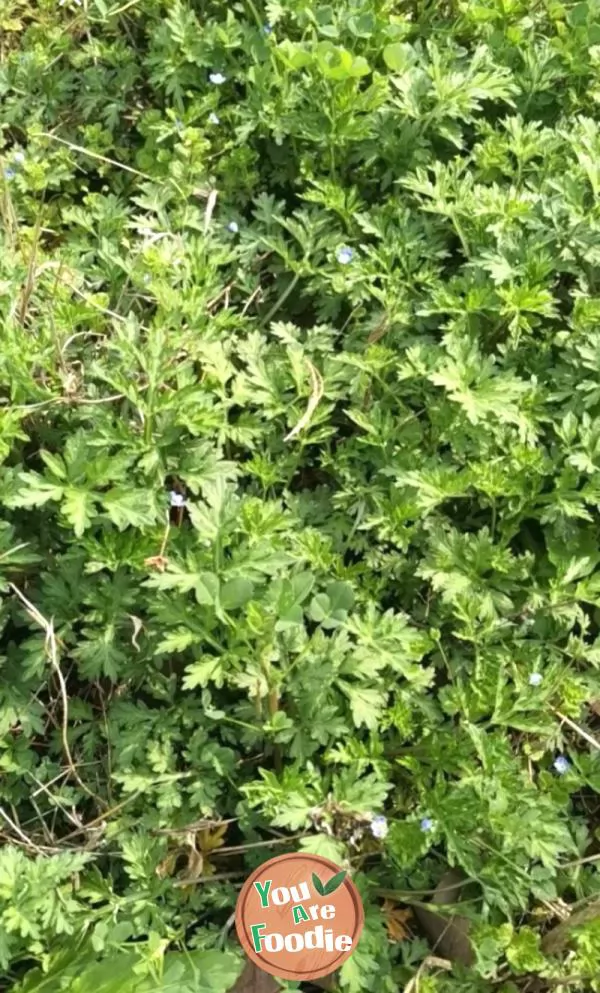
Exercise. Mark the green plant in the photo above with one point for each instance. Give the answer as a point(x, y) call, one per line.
point(298, 428)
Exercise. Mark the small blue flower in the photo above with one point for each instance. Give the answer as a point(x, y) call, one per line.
point(345, 255)
point(233, 226)
point(535, 679)
point(379, 826)
point(426, 824)
point(213, 119)
point(562, 765)
point(267, 29)
point(9, 174)
point(19, 158)
point(217, 78)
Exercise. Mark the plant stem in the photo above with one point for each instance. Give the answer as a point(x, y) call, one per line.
point(282, 298)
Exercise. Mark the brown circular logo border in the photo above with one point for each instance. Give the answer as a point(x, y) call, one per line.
point(265, 964)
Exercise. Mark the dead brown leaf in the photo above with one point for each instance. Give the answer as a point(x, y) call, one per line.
point(167, 866)
point(396, 918)
point(195, 866)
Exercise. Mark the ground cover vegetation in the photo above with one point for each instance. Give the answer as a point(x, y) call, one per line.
point(300, 483)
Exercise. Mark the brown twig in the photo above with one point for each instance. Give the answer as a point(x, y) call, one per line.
point(216, 878)
point(219, 296)
point(403, 894)
point(51, 651)
point(20, 833)
point(44, 789)
point(580, 731)
point(430, 962)
point(102, 817)
point(577, 862)
point(160, 561)
point(250, 299)
point(63, 399)
point(259, 844)
point(202, 825)
point(93, 155)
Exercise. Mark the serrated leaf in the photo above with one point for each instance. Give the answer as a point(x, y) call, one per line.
point(177, 640)
point(55, 464)
point(366, 703)
point(202, 673)
point(129, 508)
point(324, 845)
point(34, 491)
point(78, 508)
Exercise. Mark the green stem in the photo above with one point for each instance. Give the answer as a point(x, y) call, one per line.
point(461, 235)
point(240, 724)
point(255, 14)
point(282, 298)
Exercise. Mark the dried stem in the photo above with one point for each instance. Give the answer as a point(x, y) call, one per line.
point(317, 389)
point(555, 940)
point(259, 844)
point(580, 731)
point(51, 650)
point(20, 833)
